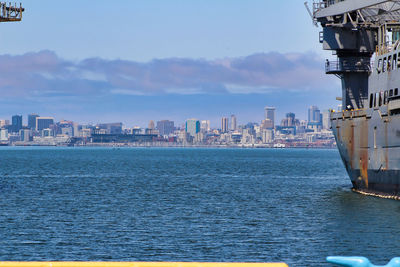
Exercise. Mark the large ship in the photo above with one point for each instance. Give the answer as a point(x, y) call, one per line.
point(365, 37)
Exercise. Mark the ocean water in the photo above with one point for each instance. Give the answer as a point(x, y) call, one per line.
point(149, 204)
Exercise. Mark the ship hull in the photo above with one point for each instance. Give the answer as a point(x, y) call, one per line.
point(369, 144)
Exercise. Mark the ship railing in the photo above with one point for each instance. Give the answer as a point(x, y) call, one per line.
point(334, 67)
point(10, 12)
point(321, 4)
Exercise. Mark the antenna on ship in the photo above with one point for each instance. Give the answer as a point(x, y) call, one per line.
point(10, 12)
point(355, 30)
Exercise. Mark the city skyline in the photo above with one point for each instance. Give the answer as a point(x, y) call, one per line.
point(27, 121)
point(291, 132)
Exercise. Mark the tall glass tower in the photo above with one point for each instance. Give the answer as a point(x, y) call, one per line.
point(270, 114)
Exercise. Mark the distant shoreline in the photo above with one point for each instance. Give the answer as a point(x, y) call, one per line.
point(172, 146)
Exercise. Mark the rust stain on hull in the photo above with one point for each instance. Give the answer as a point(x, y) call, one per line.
point(363, 133)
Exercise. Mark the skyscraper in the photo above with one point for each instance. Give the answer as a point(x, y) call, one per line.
point(224, 125)
point(32, 121)
point(151, 125)
point(314, 114)
point(270, 114)
point(165, 127)
point(192, 127)
point(233, 123)
point(326, 123)
point(43, 123)
point(205, 126)
point(4, 123)
point(16, 123)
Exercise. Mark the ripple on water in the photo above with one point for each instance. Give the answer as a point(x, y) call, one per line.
point(188, 205)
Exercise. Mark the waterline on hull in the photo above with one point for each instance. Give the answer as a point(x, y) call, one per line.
point(375, 194)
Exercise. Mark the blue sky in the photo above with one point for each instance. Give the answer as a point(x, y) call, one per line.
point(133, 61)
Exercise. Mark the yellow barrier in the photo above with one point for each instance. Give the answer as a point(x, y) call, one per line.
point(135, 264)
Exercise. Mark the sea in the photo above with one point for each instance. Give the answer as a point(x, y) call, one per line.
point(188, 204)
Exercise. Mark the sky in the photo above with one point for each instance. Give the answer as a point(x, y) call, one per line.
point(136, 61)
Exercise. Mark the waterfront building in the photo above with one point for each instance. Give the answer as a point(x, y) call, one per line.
point(224, 125)
point(44, 123)
point(267, 136)
point(67, 131)
point(76, 128)
point(192, 127)
point(199, 138)
point(183, 136)
point(16, 123)
point(111, 128)
point(85, 132)
point(326, 122)
point(248, 136)
point(4, 123)
point(165, 127)
point(25, 135)
point(32, 121)
point(3, 135)
point(270, 114)
point(233, 123)
point(47, 132)
point(205, 126)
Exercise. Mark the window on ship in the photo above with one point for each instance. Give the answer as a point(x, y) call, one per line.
point(384, 65)
point(396, 91)
point(379, 68)
point(385, 99)
point(380, 98)
point(394, 65)
point(391, 92)
point(371, 100)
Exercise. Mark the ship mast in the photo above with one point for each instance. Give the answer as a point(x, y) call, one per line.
point(355, 30)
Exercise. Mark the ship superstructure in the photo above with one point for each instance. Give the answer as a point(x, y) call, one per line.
point(367, 128)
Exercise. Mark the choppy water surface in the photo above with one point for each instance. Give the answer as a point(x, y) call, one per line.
point(188, 205)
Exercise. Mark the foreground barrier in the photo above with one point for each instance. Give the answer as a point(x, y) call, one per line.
point(136, 264)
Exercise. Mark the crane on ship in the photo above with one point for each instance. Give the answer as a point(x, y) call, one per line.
point(10, 12)
point(354, 30)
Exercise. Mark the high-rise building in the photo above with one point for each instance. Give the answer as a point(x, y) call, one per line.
point(233, 123)
point(192, 127)
point(110, 128)
point(205, 126)
point(267, 135)
point(67, 131)
point(44, 123)
point(32, 121)
point(314, 114)
point(16, 123)
point(314, 118)
point(326, 122)
point(266, 124)
point(3, 135)
point(151, 125)
point(224, 125)
point(25, 135)
point(4, 123)
point(270, 114)
point(165, 127)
